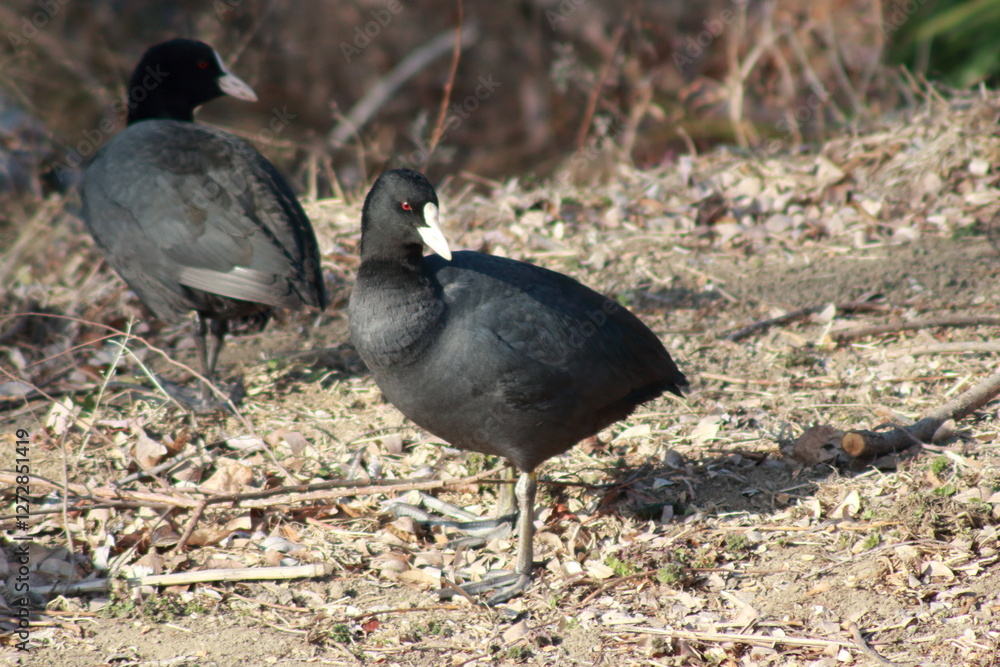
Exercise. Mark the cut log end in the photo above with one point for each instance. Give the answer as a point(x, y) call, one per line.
point(854, 444)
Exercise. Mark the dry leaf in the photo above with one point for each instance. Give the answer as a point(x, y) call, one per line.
point(515, 632)
point(230, 477)
point(637, 431)
point(288, 440)
point(818, 588)
point(599, 570)
point(848, 507)
point(937, 571)
point(148, 453)
point(202, 537)
point(244, 522)
point(246, 443)
point(706, 429)
point(392, 444)
point(816, 445)
point(427, 576)
point(826, 315)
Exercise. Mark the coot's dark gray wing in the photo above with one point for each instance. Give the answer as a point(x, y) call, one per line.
point(178, 206)
point(555, 321)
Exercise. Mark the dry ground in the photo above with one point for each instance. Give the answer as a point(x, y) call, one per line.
point(689, 535)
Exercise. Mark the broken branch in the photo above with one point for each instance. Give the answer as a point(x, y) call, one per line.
point(872, 444)
point(913, 325)
point(862, 304)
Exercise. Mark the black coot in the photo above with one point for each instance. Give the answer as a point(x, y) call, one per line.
point(194, 218)
point(490, 354)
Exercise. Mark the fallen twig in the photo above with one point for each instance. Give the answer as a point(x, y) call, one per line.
point(946, 348)
point(245, 500)
point(195, 577)
point(190, 526)
point(760, 640)
point(872, 444)
point(913, 325)
point(808, 383)
point(260, 499)
point(859, 305)
point(616, 582)
point(865, 648)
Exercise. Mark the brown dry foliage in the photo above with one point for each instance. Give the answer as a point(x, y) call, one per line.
point(689, 523)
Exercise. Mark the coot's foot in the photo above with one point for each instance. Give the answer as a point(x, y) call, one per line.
point(204, 401)
point(478, 531)
point(508, 585)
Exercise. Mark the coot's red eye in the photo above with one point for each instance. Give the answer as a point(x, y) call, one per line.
point(203, 64)
point(406, 206)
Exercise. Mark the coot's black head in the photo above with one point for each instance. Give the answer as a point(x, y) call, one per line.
point(400, 216)
point(176, 77)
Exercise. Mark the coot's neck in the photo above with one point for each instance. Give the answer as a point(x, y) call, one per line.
point(153, 95)
point(394, 307)
point(410, 254)
point(164, 111)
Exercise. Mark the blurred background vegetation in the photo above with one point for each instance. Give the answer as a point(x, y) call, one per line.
point(651, 78)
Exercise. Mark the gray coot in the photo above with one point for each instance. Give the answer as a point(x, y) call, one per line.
point(490, 354)
point(194, 218)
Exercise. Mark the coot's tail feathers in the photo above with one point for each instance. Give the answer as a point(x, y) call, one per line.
point(677, 385)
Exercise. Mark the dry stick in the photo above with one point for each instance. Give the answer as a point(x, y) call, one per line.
point(871, 444)
point(360, 490)
point(96, 505)
point(595, 93)
point(760, 640)
point(150, 346)
point(865, 648)
point(861, 304)
point(20, 324)
point(946, 348)
point(372, 101)
point(443, 111)
point(616, 582)
point(190, 526)
point(266, 498)
point(739, 72)
point(80, 423)
point(196, 577)
point(458, 589)
point(913, 325)
point(98, 494)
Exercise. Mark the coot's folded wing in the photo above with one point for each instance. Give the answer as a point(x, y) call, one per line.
point(213, 211)
point(553, 320)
